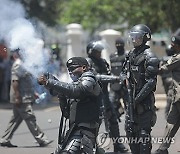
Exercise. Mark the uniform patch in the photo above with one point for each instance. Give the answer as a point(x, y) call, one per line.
point(134, 68)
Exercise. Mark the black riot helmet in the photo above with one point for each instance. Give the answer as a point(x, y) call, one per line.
point(89, 47)
point(94, 48)
point(140, 34)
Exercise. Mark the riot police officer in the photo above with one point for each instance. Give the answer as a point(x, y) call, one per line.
point(79, 102)
point(173, 118)
point(141, 70)
point(100, 66)
point(118, 91)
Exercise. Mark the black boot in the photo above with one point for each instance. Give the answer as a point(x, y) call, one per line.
point(119, 147)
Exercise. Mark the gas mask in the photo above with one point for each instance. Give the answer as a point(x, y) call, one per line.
point(74, 77)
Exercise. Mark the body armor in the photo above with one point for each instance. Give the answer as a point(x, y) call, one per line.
point(100, 66)
point(142, 77)
point(144, 68)
point(117, 62)
point(80, 102)
point(101, 69)
point(82, 97)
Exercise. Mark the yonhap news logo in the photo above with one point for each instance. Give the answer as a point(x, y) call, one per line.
point(104, 141)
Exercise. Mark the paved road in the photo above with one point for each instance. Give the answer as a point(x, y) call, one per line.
point(48, 120)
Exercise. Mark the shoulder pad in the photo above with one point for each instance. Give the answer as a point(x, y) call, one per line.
point(149, 53)
point(88, 74)
point(152, 64)
point(152, 61)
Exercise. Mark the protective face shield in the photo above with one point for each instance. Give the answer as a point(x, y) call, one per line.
point(136, 38)
point(94, 49)
point(139, 35)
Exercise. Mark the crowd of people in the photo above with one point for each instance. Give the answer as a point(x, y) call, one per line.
point(102, 92)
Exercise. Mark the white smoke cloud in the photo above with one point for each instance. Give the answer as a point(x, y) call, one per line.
point(18, 32)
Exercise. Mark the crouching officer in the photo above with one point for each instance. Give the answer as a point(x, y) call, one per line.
point(79, 102)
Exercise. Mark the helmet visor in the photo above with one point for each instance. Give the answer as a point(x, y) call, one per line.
point(136, 38)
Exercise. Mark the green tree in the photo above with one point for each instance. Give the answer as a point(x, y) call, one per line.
point(93, 14)
point(99, 14)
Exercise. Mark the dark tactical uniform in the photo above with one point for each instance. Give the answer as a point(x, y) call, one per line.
point(142, 78)
point(117, 90)
point(173, 118)
point(79, 102)
point(100, 66)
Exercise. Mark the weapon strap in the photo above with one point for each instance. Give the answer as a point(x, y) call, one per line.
point(60, 138)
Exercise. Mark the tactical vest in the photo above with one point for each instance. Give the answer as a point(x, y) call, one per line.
point(117, 63)
point(85, 109)
point(137, 70)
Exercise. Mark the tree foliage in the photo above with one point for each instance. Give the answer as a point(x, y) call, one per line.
point(96, 14)
point(93, 14)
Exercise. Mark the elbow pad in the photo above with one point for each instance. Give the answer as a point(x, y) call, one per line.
point(152, 67)
point(148, 87)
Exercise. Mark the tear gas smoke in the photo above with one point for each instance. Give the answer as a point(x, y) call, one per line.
point(18, 32)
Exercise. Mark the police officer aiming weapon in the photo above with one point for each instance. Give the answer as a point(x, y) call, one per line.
point(79, 102)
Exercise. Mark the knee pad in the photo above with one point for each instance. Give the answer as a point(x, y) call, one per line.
point(86, 145)
point(145, 146)
point(79, 145)
point(73, 146)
